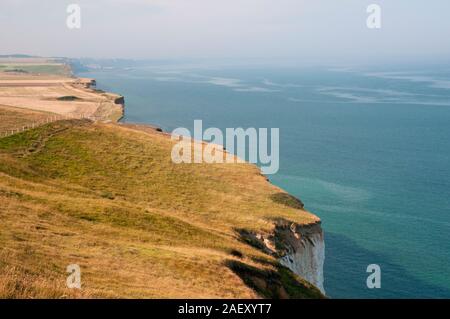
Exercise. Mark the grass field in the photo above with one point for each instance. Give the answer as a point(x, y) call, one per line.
point(109, 198)
point(12, 118)
point(49, 91)
point(41, 68)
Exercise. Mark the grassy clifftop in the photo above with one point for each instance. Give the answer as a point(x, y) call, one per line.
point(109, 198)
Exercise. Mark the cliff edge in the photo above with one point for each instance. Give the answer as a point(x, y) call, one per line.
point(107, 197)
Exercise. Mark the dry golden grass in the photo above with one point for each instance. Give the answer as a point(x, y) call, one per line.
point(109, 198)
point(47, 91)
point(17, 282)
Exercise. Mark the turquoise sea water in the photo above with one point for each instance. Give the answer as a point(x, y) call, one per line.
point(366, 150)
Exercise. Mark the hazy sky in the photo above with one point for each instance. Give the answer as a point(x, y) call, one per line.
point(331, 31)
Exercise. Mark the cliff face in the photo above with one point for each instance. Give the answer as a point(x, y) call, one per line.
point(300, 248)
point(304, 251)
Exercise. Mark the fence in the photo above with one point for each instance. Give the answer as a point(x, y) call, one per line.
point(50, 119)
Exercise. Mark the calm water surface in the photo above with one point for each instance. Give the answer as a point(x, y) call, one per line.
point(367, 151)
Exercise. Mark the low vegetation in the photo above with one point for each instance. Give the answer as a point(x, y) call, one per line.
point(68, 98)
point(13, 118)
point(45, 68)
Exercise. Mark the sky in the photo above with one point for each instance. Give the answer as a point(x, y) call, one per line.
point(330, 31)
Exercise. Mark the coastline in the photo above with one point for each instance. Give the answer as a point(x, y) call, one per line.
point(302, 247)
point(286, 232)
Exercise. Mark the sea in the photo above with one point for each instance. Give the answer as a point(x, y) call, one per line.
point(367, 149)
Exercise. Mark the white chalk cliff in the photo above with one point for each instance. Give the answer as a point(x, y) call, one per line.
point(301, 248)
point(305, 252)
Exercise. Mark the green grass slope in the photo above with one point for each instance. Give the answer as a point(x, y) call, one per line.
point(109, 198)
